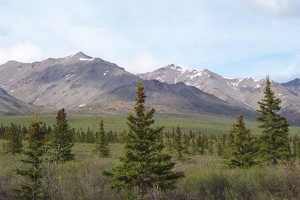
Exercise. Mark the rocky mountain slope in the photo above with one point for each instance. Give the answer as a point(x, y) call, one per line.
point(168, 98)
point(242, 92)
point(69, 82)
point(294, 84)
point(11, 106)
point(84, 84)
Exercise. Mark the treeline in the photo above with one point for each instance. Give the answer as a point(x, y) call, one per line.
point(193, 143)
point(80, 136)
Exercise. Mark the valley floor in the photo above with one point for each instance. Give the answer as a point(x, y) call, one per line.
point(205, 178)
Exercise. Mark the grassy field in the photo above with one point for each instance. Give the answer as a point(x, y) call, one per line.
point(205, 178)
point(204, 124)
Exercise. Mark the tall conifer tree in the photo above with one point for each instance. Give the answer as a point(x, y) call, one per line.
point(274, 140)
point(145, 165)
point(14, 144)
point(31, 189)
point(242, 150)
point(102, 146)
point(178, 143)
point(61, 139)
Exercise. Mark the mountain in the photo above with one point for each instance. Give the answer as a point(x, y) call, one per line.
point(70, 82)
point(11, 106)
point(241, 92)
point(167, 98)
point(294, 84)
point(84, 84)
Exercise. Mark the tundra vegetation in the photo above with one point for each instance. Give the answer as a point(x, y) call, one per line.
point(144, 161)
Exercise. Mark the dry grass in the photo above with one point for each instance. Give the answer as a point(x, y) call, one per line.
point(206, 178)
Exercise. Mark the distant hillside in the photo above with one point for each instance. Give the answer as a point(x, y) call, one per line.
point(83, 84)
point(167, 98)
point(11, 106)
point(240, 92)
point(294, 84)
point(69, 82)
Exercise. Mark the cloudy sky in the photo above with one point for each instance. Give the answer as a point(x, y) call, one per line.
point(234, 38)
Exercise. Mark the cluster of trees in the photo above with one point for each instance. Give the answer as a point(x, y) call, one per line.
point(55, 151)
point(271, 146)
point(146, 165)
point(240, 148)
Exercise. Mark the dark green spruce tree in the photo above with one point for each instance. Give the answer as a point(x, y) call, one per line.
point(61, 141)
point(14, 144)
point(31, 189)
point(274, 139)
point(102, 146)
point(241, 152)
point(145, 165)
point(177, 143)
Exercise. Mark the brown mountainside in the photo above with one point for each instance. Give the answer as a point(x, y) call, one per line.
point(84, 84)
point(242, 92)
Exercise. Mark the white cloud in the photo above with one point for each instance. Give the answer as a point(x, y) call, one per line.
point(275, 8)
point(143, 63)
point(23, 52)
point(291, 71)
point(142, 35)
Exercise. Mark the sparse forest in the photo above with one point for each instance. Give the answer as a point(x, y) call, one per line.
point(144, 161)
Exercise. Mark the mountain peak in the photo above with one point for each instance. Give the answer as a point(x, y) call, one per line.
point(80, 56)
point(173, 67)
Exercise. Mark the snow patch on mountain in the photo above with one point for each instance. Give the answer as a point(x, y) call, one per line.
point(86, 59)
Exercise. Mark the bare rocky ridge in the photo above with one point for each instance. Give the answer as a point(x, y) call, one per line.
point(242, 92)
point(71, 82)
point(84, 84)
point(294, 84)
point(168, 98)
point(11, 106)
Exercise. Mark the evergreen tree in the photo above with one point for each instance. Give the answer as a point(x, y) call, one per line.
point(89, 136)
point(274, 140)
point(186, 143)
point(210, 145)
point(177, 143)
point(221, 144)
point(200, 144)
point(296, 146)
point(14, 144)
point(31, 190)
point(194, 150)
point(61, 139)
point(101, 146)
point(145, 165)
point(242, 149)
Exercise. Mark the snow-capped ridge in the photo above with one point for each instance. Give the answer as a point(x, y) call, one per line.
point(172, 67)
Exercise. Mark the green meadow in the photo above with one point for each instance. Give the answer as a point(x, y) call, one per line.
point(206, 177)
point(201, 124)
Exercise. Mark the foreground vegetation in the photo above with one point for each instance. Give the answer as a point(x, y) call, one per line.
point(206, 177)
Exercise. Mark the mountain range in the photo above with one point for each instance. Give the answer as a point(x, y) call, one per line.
point(83, 84)
point(243, 92)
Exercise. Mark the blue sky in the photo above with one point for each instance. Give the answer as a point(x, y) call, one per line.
point(234, 38)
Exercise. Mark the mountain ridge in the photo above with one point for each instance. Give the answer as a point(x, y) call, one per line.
point(84, 84)
point(244, 92)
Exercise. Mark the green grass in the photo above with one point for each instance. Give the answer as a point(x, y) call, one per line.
point(203, 124)
point(205, 178)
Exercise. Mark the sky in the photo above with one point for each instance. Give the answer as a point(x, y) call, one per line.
point(233, 38)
